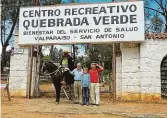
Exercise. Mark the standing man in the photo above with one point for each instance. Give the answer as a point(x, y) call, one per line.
point(78, 72)
point(95, 87)
point(67, 61)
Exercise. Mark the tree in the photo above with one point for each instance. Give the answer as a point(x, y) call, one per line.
point(10, 14)
point(156, 16)
point(101, 53)
point(54, 54)
point(46, 58)
point(60, 54)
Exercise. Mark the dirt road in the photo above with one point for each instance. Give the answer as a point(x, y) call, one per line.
point(46, 108)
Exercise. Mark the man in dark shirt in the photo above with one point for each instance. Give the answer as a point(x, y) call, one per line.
point(67, 61)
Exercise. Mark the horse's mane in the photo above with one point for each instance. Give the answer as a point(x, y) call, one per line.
point(51, 64)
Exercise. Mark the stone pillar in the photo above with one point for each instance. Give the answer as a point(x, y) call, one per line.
point(130, 71)
point(118, 77)
point(18, 71)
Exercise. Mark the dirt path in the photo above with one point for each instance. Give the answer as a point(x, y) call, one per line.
point(46, 108)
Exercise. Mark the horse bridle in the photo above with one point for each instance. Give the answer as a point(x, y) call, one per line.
point(56, 71)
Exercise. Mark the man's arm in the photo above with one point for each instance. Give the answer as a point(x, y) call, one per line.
point(61, 61)
point(72, 72)
point(70, 63)
point(100, 68)
point(89, 79)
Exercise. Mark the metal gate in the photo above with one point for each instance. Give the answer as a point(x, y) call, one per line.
point(164, 77)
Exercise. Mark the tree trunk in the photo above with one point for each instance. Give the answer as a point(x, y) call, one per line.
point(3, 62)
point(51, 53)
point(166, 24)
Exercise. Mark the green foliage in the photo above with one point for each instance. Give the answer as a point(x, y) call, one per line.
point(55, 54)
point(99, 52)
point(105, 76)
point(105, 72)
point(46, 58)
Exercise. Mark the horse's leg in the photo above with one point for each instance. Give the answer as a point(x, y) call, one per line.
point(54, 83)
point(58, 89)
point(56, 86)
point(70, 92)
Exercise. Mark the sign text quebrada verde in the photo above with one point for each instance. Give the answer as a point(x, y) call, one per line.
point(88, 23)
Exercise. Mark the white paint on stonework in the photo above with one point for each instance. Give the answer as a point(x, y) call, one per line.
point(130, 68)
point(118, 76)
point(18, 72)
point(151, 54)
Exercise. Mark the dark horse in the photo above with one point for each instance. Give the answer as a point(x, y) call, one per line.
point(58, 75)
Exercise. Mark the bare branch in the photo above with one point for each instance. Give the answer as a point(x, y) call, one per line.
point(149, 27)
point(160, 5)
point(1, 39)
point(12, 28)
point(155, 10)
point(163, 8)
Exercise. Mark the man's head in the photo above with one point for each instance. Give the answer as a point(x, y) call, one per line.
point(65, 52)
point(93, 65)
point(78, 65)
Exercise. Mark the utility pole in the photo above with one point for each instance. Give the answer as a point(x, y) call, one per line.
point(114, 72)
point(73, 46)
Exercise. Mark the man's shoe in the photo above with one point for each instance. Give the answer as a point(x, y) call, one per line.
point(93, 104)
point(82, 104)
point(75, 102)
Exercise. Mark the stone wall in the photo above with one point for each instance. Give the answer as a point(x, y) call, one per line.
point(138, 71)
point(151, 54)
point(130, 71)
point(18, 72)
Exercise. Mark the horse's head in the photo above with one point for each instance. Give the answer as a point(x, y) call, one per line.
point(58, 72)
point(48, 66)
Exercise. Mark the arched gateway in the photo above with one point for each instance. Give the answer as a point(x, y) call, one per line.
point(164, 77)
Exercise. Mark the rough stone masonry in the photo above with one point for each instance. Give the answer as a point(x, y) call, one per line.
point(138, 70)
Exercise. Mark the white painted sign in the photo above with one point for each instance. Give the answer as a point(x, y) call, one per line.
point(18, 51)
point(3, 86)
point(88, 23)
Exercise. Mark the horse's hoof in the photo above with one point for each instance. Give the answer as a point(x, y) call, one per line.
point(57, 102)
